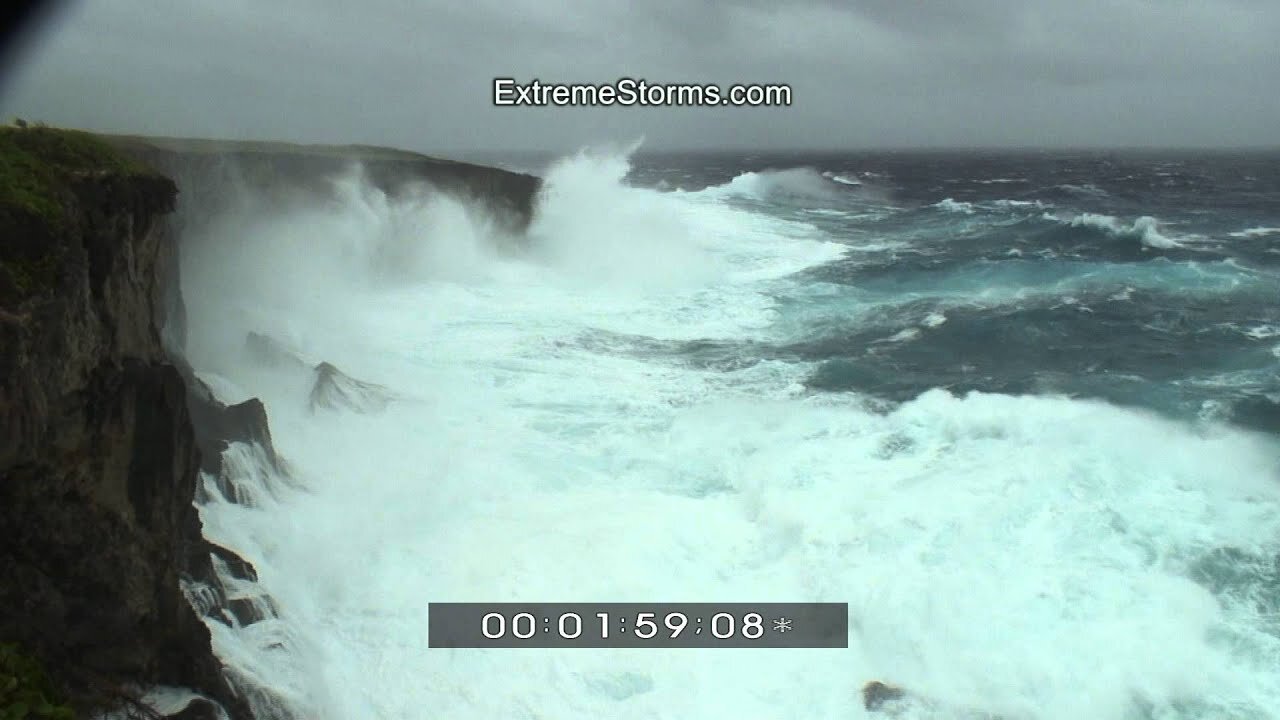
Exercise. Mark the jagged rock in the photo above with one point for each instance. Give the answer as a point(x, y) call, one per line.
point(335, 390)
point(217, 424)
point(240, 568)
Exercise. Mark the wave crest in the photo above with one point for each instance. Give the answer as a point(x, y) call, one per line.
point(1145, 229)
point(950, 205)
point(799, 182)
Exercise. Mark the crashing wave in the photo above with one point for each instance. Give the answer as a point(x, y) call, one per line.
point(800, 182)
point(1144, 229)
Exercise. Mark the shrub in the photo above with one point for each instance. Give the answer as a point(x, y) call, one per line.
point(25, 690)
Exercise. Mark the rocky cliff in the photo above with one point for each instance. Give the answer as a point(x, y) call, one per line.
point(98, 460)
point(103, 429)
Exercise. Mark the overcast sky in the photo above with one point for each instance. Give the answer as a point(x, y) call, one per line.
point(864, 73)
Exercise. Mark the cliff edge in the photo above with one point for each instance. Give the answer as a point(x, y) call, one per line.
point(98, 460)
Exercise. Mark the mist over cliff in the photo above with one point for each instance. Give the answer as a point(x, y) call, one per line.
point(109, 436)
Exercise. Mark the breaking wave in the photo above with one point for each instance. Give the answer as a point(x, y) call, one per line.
point(949, 205)
point(842, 179)
point(515, 420)
point(1145, 229)
point(794, 183)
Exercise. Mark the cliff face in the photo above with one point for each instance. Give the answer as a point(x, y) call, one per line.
point(104, 429)
point(98, 461)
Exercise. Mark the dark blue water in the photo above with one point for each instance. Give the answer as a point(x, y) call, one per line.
point(1144, 279)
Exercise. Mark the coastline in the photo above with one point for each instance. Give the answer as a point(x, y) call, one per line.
point(108, 580)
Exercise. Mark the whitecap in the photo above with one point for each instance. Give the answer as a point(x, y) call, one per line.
point(1255, 232)
point(1145, 229)
point(934, 319)
point(950, 205)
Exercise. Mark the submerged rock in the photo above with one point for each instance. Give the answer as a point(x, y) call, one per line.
point(335, 390)
point(876, 694)
point(892, 701)
point(197, 709)
point(266, 350)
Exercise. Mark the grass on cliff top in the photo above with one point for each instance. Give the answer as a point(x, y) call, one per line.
point(212, 146)
point(36, 161)
point(36, 164)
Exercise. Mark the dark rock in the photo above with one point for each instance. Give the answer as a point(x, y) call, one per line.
point(98, 462)
point(240, 568)
point(335, 390)
point(875, 695)
point(249, 610)
point(197, 709)
point(893, 701)
point(217, 425)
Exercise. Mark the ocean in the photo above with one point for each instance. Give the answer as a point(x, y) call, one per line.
point(1019, 410)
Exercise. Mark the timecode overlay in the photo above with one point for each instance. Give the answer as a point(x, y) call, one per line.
point(637, 625)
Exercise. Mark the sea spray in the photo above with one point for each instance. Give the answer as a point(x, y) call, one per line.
point(1024, 556)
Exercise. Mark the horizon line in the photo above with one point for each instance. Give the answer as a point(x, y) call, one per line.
point(905, 149)
point(643, 150)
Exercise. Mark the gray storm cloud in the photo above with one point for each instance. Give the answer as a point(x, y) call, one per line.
point(871, 73)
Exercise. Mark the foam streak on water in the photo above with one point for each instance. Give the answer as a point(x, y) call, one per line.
point(1024, 556)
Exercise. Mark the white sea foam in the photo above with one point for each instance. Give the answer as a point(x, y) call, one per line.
point(1023, 556)
point(1254, 232)
point(1006, 203)
point(934, 319)
point(951, 205)
point(1262, 332)
point(845, 180)
point(902, 335)
point(1086, 189)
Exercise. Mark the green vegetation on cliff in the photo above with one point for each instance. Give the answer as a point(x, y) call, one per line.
point(37, 165)
point(25, 690)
